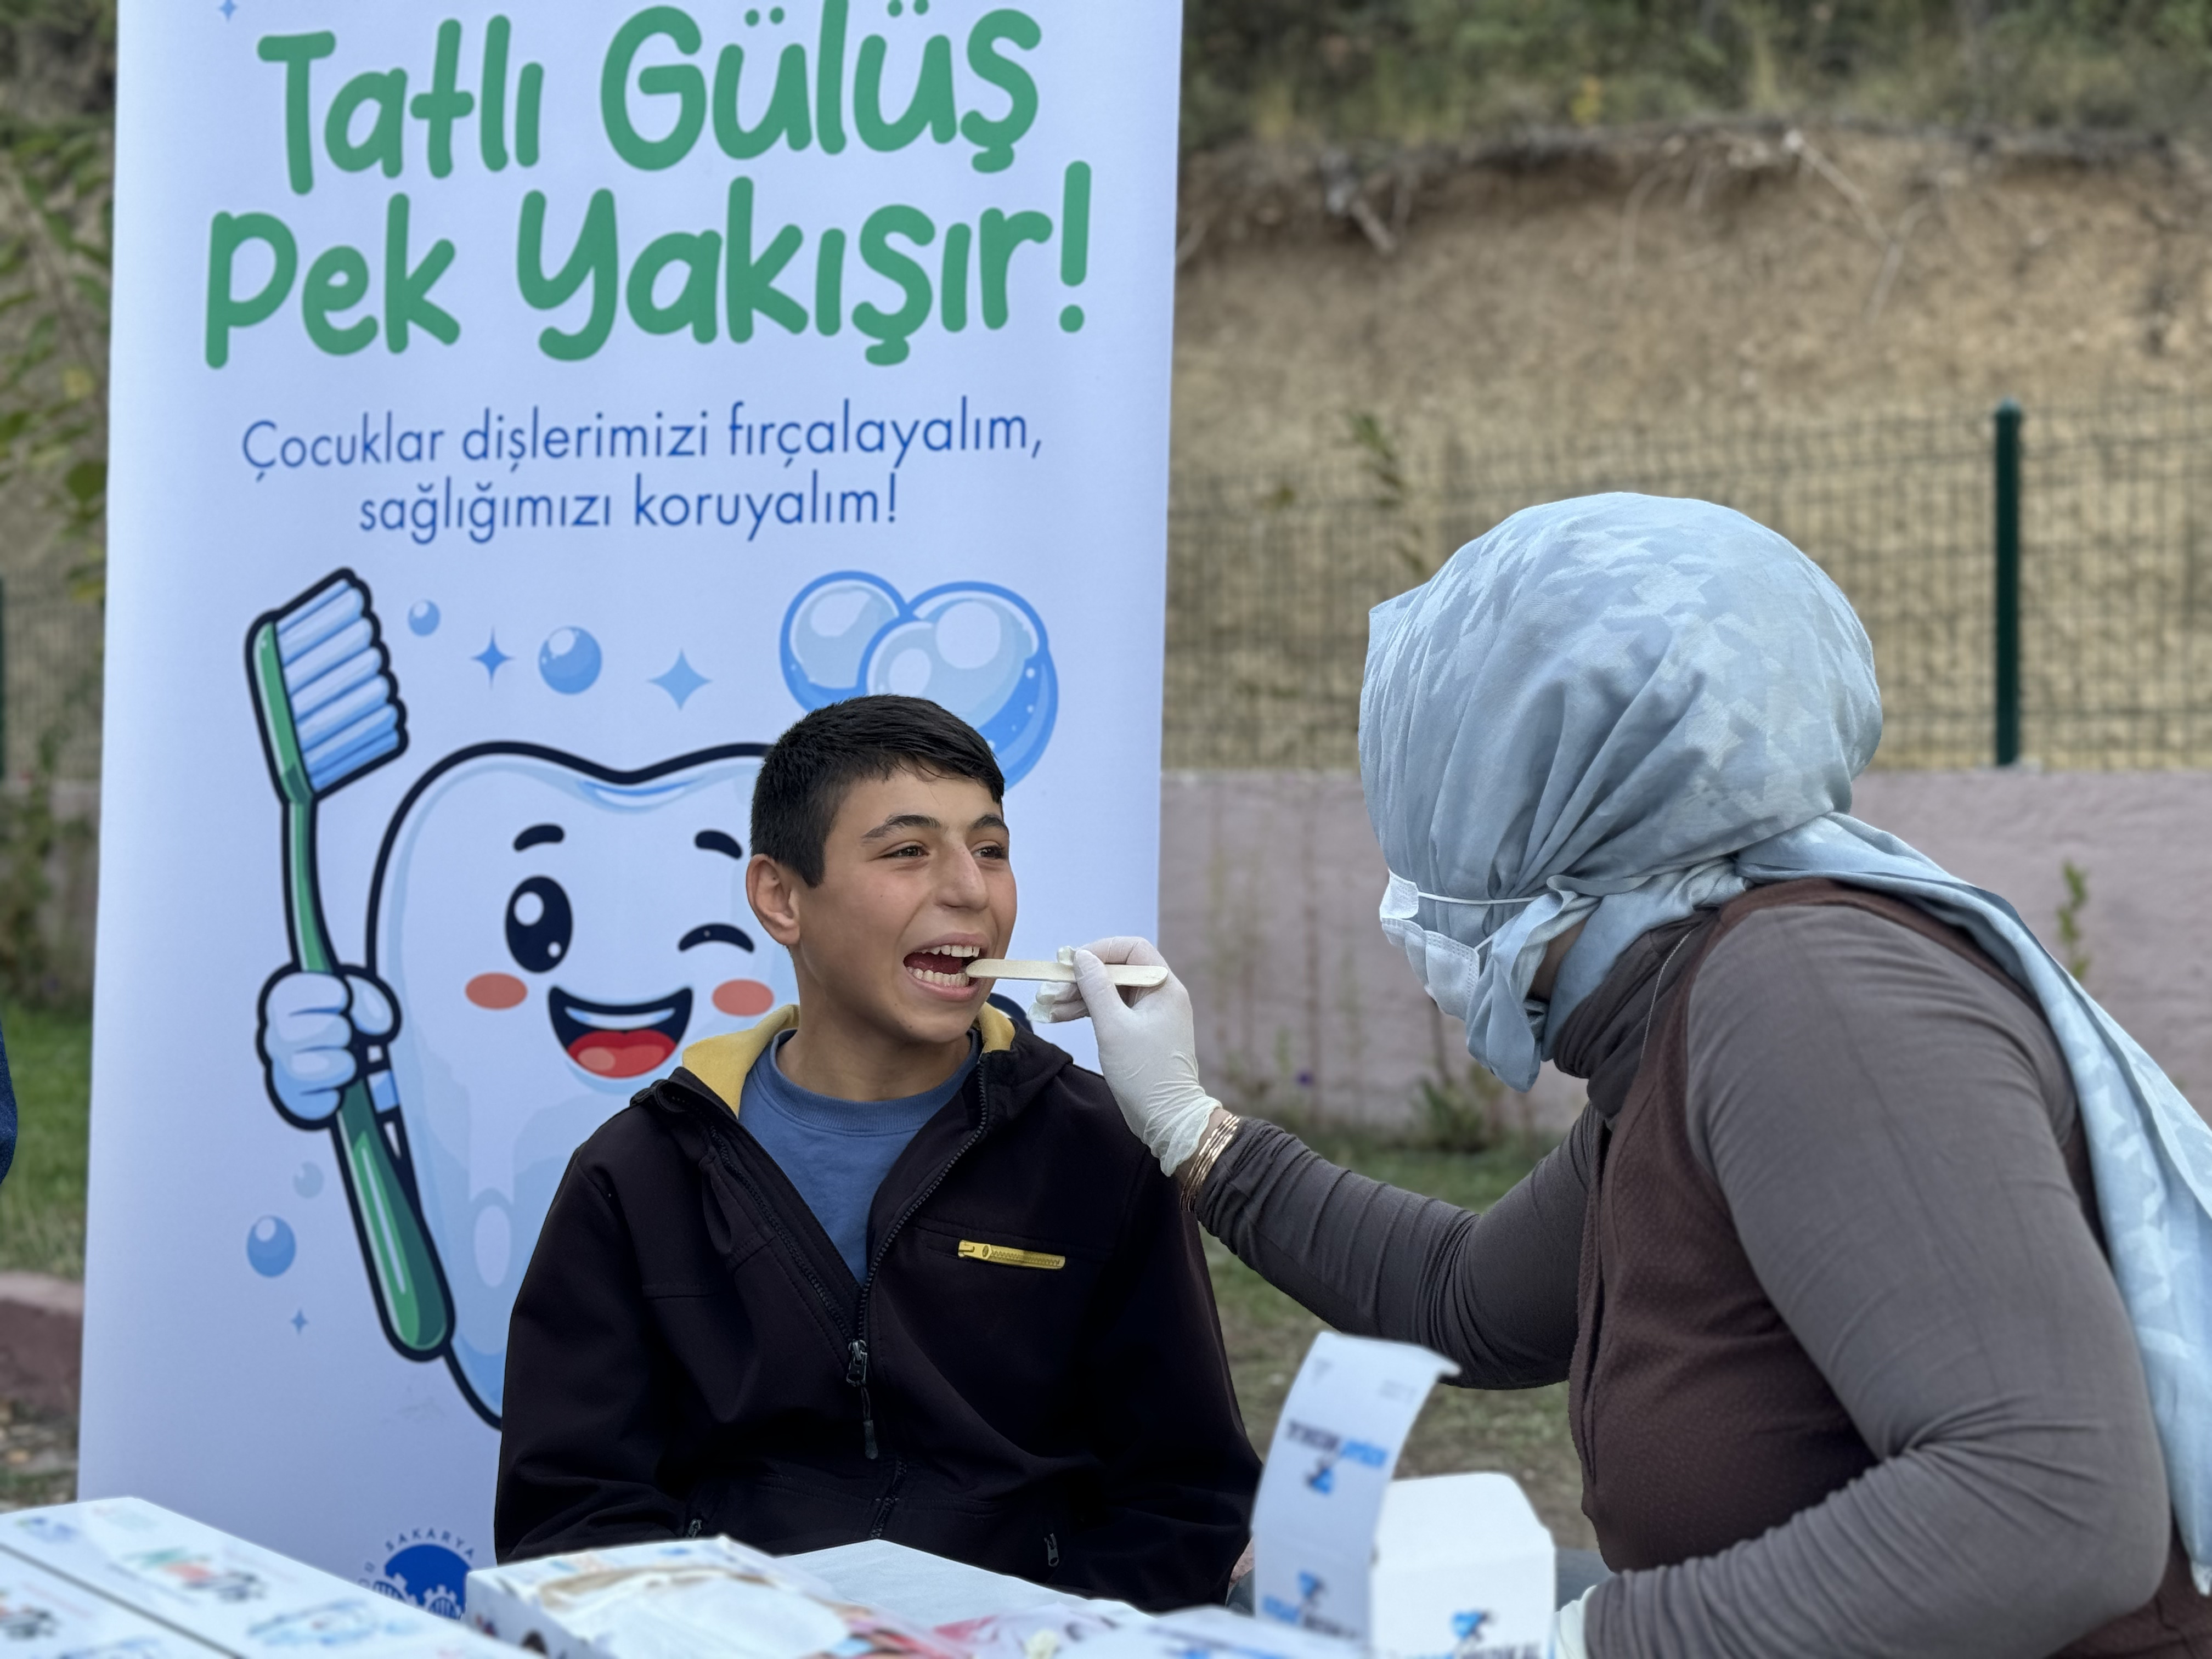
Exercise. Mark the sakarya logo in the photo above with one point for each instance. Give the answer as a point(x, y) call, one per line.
point(426, 1566)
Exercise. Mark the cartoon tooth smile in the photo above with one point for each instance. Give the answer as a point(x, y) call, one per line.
point(622, 1040)
point(611, 880)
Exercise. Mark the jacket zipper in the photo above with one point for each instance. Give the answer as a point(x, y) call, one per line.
point(856, 1368)
point(856, 1348)
point(888, 1501)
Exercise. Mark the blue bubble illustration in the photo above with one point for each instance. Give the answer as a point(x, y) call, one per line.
point(308, 1181)
point(270, 1246)
point(423, 620)
point(827, 633)
point(569, 660)
point(974, 648)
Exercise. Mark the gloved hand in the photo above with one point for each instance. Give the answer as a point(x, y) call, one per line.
point(1147, 1046)
point(1567, 1640)
point(312, 1028)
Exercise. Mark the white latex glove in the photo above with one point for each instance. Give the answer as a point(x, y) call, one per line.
point(310, 1027)
point(1147, 1046)
point(1567, 1628)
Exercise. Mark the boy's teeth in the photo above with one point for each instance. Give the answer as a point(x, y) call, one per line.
point(930, 978)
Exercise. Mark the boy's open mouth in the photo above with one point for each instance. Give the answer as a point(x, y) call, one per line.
point(610, 1039)
point(944, 964)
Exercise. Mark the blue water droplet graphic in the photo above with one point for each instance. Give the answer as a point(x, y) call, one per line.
point(270, 1246)
point(309, 1180)
point(422, 619)
point(569, 660)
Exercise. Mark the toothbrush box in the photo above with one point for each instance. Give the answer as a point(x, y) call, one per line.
point(701, 1598)
point(1463, 1570)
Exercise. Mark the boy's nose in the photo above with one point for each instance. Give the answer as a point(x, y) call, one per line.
point(963, 887)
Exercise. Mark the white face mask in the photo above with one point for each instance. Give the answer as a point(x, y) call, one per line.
point(1437, 958)
point(1474, 983)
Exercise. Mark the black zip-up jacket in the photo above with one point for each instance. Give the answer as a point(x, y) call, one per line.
point(1030, 1377)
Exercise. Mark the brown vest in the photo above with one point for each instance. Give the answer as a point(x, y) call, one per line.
point(1700, 1419)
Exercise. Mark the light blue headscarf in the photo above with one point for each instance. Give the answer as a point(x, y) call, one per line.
point(1616, 709)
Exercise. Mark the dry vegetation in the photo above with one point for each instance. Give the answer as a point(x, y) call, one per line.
point(1552, 284)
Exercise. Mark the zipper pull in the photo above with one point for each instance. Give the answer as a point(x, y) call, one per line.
point(856, 1376)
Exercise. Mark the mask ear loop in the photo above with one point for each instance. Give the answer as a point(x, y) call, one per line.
point(1445, 898)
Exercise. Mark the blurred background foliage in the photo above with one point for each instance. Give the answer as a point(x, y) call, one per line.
point(1414, 70)
point(56, 126)
point(57, 145)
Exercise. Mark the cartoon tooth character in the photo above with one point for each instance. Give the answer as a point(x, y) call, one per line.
point(553, 930)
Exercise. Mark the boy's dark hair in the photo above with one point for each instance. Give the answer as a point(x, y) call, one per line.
point(805, 776)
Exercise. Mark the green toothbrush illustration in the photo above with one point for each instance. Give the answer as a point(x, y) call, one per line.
point(330, 712)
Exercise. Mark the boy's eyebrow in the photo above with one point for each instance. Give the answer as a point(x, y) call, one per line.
point(922, 821)
point(899, 821)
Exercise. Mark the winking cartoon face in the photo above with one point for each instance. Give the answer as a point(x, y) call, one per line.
point(556, 933)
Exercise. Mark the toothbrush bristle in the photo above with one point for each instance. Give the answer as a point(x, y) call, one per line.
point(345, 709)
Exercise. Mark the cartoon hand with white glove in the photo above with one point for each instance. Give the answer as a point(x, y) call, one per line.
point(315, 1030)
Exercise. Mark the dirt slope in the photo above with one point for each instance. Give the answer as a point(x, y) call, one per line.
point(1540, 288)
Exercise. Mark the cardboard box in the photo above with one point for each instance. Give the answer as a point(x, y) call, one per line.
point(1463, 1570)
point(1039, 1632)
point(929, 1589)
point(230, 1595)
point(703, 1598)
point(1216, 1633)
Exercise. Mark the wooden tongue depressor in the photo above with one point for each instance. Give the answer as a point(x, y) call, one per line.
point(1063, 971)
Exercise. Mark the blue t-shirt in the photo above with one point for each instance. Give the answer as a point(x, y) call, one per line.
point(836, 1152)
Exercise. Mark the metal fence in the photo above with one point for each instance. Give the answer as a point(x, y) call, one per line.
point(1270, 580)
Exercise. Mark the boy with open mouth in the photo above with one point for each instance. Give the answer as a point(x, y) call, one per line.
point(883, 1265)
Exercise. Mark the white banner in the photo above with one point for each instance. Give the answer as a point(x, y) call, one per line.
point(519, 420)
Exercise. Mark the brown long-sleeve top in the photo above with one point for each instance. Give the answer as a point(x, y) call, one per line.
point(1885, 1121)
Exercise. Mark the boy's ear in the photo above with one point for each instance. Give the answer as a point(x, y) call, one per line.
point(773, 890)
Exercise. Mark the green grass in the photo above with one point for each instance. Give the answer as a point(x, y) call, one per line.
point(1523, 1432)
point(42, 1199)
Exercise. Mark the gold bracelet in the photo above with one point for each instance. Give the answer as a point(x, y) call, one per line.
point(1220, 1129)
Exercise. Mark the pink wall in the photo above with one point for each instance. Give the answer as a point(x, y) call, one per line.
point(1269, 882)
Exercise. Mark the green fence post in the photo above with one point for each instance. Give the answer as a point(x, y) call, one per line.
point(2007, 586)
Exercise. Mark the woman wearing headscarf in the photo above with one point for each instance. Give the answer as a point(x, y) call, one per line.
point(1879, 1264)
